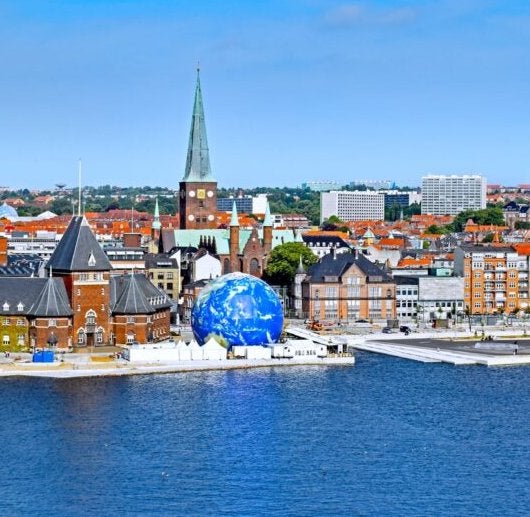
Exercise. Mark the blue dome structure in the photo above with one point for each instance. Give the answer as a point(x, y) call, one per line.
point(7, 211)
point(237, 309)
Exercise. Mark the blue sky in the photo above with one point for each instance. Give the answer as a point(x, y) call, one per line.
point(294, 90)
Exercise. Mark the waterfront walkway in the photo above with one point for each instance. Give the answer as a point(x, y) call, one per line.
point(84, 367)
point(454, 347)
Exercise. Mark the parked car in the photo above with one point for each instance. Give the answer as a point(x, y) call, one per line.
point(387, 330)
point(362, 323)
point(406, 330)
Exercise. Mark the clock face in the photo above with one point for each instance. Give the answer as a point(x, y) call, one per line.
point(191, 217)
point(209, 193)
point(210, 217)
point(201, 193)
point(192, 193)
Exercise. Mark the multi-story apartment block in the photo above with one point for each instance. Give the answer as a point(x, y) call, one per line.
point(347, 287)
point(495, 278)
point(352, 205)
point(450, 195)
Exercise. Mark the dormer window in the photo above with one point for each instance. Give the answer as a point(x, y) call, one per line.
point(20, 306)
point(91, 260)
point(5, 306)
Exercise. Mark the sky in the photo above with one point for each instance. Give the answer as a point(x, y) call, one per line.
point(293, 90)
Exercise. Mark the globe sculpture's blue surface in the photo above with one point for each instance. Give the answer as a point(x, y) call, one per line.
point(238, 309)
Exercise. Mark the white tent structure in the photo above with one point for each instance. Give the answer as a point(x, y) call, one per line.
point(195, 351)
point(213, 351)
point(184, 353)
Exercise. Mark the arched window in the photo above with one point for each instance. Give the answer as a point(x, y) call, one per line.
point(81, 337)
point(91, 317)
point(99, 336)
point(254, 267)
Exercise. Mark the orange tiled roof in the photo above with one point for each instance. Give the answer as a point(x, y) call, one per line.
point(410, 262)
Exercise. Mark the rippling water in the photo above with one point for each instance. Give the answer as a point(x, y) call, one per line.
point(385, 437)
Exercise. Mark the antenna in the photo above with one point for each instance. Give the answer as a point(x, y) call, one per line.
point(79, 165)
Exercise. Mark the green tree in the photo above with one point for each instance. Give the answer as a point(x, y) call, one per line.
point(436, 230)
point(492, 215)
point(333, 223)
point(284, 259)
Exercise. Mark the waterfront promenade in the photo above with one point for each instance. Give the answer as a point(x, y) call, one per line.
point(96, 365)
point(507, 346)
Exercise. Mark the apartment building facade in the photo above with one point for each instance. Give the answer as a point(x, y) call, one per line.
point(450, 195)
point(495, 279)
point(352, 205)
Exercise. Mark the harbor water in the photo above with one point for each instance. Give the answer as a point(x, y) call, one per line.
point(384, 437)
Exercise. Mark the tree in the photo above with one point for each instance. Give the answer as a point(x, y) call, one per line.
point(436, 230)
point(492, 216)
point(333, 223)
point(284, 259)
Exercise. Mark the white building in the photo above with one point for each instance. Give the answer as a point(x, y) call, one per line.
point(426, 298)
point(450, 195)
point(352, 205)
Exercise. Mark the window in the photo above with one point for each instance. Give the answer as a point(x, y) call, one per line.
point(103, 291)
point(170, 286)
point(5, 339)
point(130, 339)
point(52, 323)
point(169, 276)
point(20, 306)
point(130, 319)
point(7, 321)
point(6, 306)
point(91, 317)
point(102, 307)
point(99, 336)
point(81, 336)
point(21, 339)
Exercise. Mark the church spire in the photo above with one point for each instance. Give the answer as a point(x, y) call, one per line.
point(267, 220)
point(198, 159)
point(156, 217)
point(234, 221)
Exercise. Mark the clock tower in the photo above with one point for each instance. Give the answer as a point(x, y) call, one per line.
point(198, 188)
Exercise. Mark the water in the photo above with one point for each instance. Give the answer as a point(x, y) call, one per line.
point(385, 437)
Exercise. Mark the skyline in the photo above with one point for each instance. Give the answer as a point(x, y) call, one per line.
point(294, 91)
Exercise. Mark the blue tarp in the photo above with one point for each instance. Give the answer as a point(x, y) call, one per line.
point(45, 356)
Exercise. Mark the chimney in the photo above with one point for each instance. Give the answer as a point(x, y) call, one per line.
point(132, 240)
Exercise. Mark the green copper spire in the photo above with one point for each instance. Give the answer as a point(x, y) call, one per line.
point(234, 221)
point(267, 220)
point(156, 219)
point(198, 160)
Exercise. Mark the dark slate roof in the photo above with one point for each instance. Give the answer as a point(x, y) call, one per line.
point(37, 296)
point(21, 264)
point(336, 264)
point(406, 280)
point(325, 240)
point(78, 250)
point(135, 294)
point(52, 301)
point(160, 260)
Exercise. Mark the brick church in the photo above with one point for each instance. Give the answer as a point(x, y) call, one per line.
point(238, 249)
point(80, 303)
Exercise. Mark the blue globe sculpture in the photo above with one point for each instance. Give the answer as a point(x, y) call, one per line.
point(237, 309)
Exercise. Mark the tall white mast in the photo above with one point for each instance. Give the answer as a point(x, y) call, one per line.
point(79, 187)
